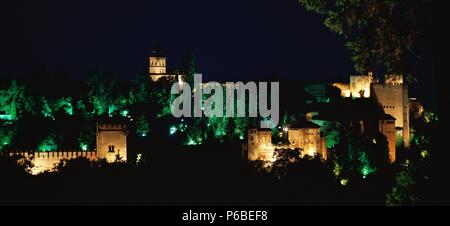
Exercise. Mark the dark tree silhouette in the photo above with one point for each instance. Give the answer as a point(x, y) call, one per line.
point(379, 33)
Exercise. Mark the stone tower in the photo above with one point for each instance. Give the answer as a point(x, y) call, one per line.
point(306, 136)
point(360, 85)
point(111, 141)
point(157, 64)
point(260, 144)
point(386, 125)
point(393, 97)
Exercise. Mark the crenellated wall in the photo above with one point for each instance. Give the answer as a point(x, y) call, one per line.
point(111, 145)
point(46, 161)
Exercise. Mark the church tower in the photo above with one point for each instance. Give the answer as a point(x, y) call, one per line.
point(157, 64)
point(111, 141)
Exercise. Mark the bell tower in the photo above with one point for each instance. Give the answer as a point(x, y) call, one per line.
point(157, 64)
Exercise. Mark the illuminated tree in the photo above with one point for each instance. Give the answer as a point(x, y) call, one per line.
point(14, 101)
point(102, 93)
point(140, 91)
point(50, 107)
point(241, 126)
point(379, 33)
point(7, 134)
point(331, 130)
point(86, 137)
point(65, 103)
point(359, 154)
point(49, 143)
point(142, 126)
point(160, 95)
point(81, 108)
point(403, 191)
point(46, 111)
point(219, 126)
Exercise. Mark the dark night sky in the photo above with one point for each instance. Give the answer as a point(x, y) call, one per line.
point(232, 40)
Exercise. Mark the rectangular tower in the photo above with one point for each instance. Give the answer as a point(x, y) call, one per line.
point(306, 136)
point(386, 126)
point(157, 64)
point(260, 145)
point(112, 141)
point(393, 97)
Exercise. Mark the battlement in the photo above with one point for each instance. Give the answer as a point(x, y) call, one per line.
point(393, 79)
point(55, 154)
point(48, 161)
point(111, 142)
point(111, 127)
point(393, 86)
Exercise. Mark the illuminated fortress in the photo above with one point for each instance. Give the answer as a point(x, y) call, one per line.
point(111, 146)
point(304, 136)
point(390, 96)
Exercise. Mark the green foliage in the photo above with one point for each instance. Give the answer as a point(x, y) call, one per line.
point(50, 107)
point(14, 101)
point(429, 117)
point(140, 90)
point(220, 126)
point(81, 108)
point(7, 134)
point(48, 144)
point(358, 153)
point(365, 167)
point(331, 131)
point(160, 95)
point(403, 192)
point(379, 33)
point(337, 168)
point(46, 109)
point(65, 103)
point(142, 126)
point(86, 137)
point(102, 93)
point(241, 126)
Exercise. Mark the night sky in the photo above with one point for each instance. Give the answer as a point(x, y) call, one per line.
point(231, 40)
